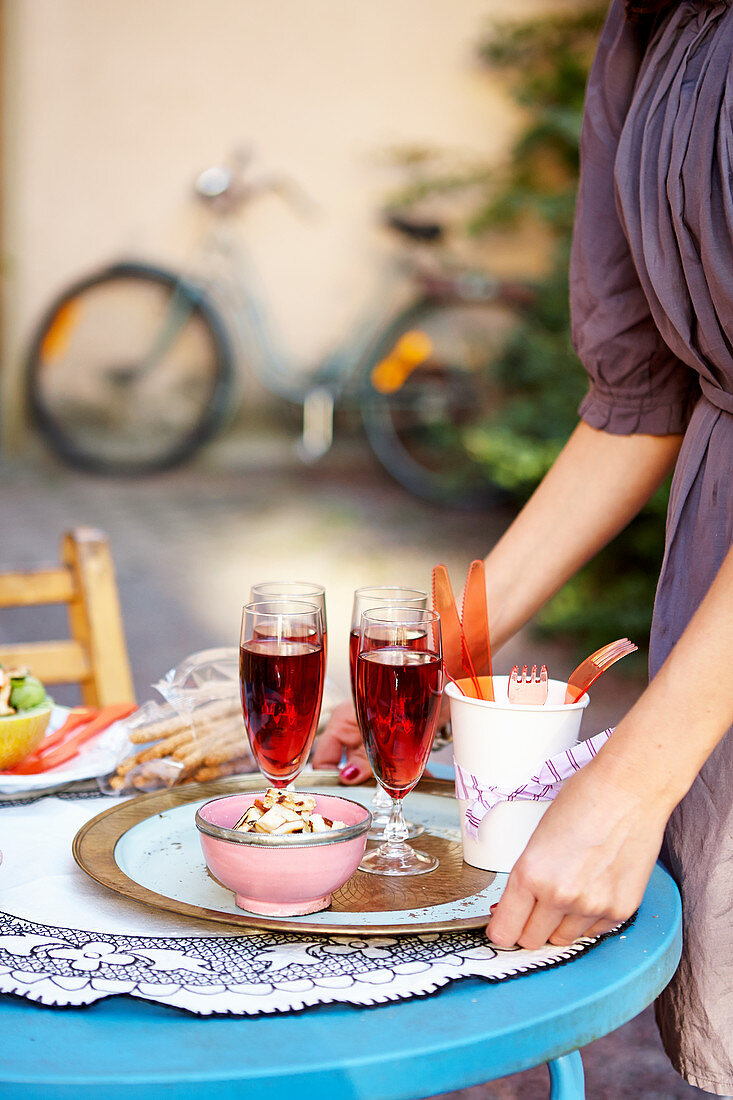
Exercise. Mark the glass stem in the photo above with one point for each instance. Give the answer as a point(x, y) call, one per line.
point(382, 801)
point(396, 831)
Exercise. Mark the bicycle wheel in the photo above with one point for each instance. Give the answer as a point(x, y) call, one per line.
point(426, 392)
point(130, 371)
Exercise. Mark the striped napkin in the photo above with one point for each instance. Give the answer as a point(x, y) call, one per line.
point(539, 788)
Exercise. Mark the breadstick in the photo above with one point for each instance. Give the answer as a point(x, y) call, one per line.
point(176, 723)
point(219, 708)
point(166, 747)
point(206, 733)
point(225, 750)
point(153, 731)
point(140, 757)
point(127, 765)
point(198, 746)
point(216, 725)
point(219, 771)
point(192, 755)
point(216, 771)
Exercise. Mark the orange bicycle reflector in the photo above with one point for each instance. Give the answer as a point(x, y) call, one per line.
point(414, 347)
point(411, 350)
point(58, 334)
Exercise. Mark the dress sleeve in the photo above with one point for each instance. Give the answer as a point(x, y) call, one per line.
point(637, 384)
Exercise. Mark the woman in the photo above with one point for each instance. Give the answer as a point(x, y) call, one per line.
point(652, 306)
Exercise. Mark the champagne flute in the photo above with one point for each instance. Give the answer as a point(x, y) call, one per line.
point(294, 590)
point(281, 668)
point(365, 599)
point(399, 680)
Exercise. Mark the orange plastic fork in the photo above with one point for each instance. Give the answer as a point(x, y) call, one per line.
point(531, 689)
point(591, 668)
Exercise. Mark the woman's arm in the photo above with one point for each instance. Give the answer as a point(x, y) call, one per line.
point(597, 485)
point(588, 862)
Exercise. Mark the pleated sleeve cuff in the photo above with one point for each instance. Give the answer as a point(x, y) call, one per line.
point(618, 416)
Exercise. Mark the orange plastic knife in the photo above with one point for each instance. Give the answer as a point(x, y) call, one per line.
point(475, 620)
point(450, 628)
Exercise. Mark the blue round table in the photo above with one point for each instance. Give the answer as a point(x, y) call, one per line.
point(468, 1033)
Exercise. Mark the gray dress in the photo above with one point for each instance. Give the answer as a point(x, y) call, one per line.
point(652, 304)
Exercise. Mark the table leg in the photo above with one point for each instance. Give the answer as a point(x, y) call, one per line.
point(567, 1081)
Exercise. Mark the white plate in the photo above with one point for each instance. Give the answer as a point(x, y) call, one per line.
point(99, 757)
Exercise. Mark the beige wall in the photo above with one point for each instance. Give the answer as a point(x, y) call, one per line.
point(113, 105)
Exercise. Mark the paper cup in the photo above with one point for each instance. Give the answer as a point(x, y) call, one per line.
point(504, 744)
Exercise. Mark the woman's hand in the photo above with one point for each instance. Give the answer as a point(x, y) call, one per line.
point(586, 866)
point(342, 733)
point(588, 861)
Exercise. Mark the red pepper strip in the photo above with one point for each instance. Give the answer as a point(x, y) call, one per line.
point(70, 747)
point(79, 716)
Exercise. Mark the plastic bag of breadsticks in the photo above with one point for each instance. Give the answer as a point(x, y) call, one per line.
point(196, 734)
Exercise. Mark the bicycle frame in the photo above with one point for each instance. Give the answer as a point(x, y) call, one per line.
point(231, 285)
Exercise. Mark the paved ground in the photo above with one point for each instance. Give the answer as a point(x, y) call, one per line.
point(189, 544)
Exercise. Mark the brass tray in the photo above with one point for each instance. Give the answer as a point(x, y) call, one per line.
point(147, 849)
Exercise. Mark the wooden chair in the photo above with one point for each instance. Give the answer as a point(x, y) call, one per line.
point(95, 656)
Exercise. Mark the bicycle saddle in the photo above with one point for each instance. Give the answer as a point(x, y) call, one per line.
point(427, 232)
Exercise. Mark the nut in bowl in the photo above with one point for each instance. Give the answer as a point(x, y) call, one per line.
point(278, 873)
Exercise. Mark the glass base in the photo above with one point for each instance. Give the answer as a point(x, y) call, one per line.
point(377, 830)
point(397, 859)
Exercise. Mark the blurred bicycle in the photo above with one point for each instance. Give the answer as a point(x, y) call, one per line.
point(134, 367)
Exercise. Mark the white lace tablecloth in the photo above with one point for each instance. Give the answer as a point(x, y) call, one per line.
point(66, 941)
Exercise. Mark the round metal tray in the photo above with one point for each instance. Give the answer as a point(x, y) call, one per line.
point(147, 849)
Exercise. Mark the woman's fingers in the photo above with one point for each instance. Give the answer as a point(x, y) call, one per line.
point(328, 750)
point(547, 925)
point(341, 733)
point(356, 769)
point(541, 926)
point(601, 927)
point(521, 918)
point(571, 928)
point(511, 914)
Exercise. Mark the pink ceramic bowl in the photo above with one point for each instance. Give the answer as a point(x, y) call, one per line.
point(282, 876)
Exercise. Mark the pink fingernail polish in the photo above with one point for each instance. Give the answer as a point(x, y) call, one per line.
point(349, 772)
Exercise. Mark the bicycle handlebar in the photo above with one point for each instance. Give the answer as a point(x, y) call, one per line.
point(225, 187)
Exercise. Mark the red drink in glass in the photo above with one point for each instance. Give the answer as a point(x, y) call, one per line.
point(282, 687)
point(415, 640)
point(368, 598)
point(398, 699)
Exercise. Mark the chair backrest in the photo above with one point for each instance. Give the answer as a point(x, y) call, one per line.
point(95, 656)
